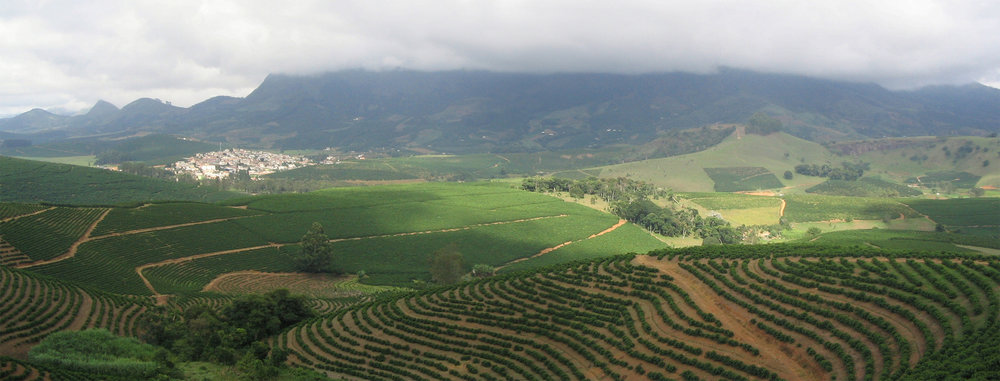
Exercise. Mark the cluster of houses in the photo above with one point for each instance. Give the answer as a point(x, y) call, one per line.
point(222, 164)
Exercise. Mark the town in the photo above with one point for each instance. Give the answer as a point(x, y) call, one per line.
point(221, 164)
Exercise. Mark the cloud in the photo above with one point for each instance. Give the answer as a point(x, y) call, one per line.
point(69, 54)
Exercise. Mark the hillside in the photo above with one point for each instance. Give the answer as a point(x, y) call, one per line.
point(154, 149)
point(757, 312)
point(687, 172)
point(462, 111)
point(34, 181)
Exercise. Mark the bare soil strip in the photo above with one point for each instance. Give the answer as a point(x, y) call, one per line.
point(26, 215)
point(72, 249)
point(781, 212)
point(561, 245)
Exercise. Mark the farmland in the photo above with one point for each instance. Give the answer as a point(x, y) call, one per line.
point(388, 232)
point(781, 312)
point(734, 179)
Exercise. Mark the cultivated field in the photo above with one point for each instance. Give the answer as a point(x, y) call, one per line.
point(778, 312)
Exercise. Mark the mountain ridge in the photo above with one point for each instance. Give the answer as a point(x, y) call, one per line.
point(477, 111)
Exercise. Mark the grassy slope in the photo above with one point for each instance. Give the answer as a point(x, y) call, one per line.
point(686, 172)
point(896, 165)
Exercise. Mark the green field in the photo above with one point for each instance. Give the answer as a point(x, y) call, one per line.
point(865, 187)
point(386, 231)
point(805, 208)
point(34, 181)
point(686, 172)
point(735, 179)
point(971, 212)
point(963, 180)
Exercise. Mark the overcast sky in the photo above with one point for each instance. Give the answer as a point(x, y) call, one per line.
point(67, 54)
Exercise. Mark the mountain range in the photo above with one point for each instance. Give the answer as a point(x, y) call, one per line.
point(473, 111)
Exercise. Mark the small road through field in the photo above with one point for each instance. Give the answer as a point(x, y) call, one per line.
point(72, 249)
point(162, 298)
point(781, 212)
point(26, 215)
point(561, 245)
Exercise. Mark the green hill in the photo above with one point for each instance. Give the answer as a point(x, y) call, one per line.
point(776, 152)
point(34, 181)
point(154, 149)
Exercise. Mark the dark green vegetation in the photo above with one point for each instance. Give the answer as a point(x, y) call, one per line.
point(847, 171)
point(631, 200)
point(865, 187)
point(98, 351)
point(153, 149)
point(962, 213)
point(34, 181)
point(814, 313)
point(735, 179)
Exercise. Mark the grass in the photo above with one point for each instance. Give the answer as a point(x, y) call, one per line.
point(627, 237)
point(686, 172)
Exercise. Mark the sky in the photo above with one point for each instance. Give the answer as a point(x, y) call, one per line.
point(65, 55)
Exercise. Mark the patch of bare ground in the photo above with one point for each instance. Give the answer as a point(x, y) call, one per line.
point(788, 362)
point(314, 285)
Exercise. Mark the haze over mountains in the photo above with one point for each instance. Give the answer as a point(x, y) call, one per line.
point(473, 111)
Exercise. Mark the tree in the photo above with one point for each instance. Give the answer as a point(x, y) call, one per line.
point(317, 252)
point(977, 192)
point(446, 265)
point(788, 175)
point(763, 124)
point(813, 231)
point(483, 270)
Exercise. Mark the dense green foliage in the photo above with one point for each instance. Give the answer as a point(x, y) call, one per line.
point(316, 252)
point(237, 329)
point(762, 124)
point(97, 351)
point(865, 187)
point(848, 171)
point(35, 181)
point(735, 179)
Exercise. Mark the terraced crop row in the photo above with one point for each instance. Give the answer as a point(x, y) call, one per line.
point(31, 307)
point(109, 264)
point(168, 214)
point(843, 318)
point(8, 210)
point(10, 255)
point(50, 233)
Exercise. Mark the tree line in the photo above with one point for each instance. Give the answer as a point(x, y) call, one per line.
point(848, 171)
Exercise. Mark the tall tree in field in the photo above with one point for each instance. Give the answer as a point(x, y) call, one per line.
point(446, 265)
point(317, 251)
